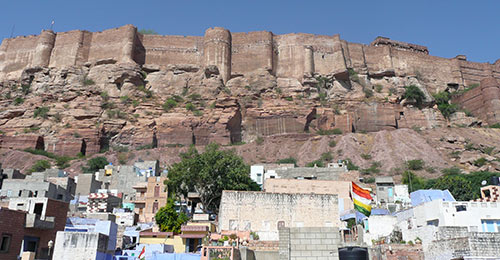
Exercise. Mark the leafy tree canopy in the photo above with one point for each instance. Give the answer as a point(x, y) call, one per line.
point(168, 219)
point(209, 173)
point(95, 164)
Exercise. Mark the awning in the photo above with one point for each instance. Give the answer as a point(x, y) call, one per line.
point(193, 235)
point(194, 228)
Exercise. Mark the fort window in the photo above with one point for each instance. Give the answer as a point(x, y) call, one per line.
point(461, 208)
point(5, 243)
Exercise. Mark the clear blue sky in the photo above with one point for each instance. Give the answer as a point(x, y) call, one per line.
point(446, 27)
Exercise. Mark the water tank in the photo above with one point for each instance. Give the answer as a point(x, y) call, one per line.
point(353, 253)
point(494, 180)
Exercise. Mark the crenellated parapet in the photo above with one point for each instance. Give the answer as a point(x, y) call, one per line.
point(295, 55)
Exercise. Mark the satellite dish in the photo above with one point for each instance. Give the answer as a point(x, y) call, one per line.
point(483, 182)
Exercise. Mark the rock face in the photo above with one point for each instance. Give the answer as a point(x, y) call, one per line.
point(81, 93)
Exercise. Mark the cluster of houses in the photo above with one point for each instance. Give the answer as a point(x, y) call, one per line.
point(300, 213)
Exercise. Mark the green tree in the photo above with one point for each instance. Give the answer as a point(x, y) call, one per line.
point(209, 173)
point(95, 164)
point(40, 166)
point(461, 188)
point(415, 165)
point(413, 181)
point(288, 160)
point(168, 219)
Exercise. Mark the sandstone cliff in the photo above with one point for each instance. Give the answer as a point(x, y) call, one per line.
point(148, 96)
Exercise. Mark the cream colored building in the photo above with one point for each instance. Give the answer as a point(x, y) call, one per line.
point(150, 197)
point(339, 188)
point(264, 212)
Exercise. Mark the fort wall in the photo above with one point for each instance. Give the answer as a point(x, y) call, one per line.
point(483, 101)
point(163, 50)
point(286, 56)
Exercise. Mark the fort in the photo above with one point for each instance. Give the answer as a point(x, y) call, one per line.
point(286, 56)
point(256, 66)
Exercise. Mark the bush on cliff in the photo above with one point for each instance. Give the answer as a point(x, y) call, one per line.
point(414, 94)
point(443, 102)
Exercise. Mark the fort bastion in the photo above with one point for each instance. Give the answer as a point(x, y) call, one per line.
point(286, 56)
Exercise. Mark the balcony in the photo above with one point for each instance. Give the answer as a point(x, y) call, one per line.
point(35, 221)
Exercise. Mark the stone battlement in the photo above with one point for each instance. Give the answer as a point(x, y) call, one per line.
point(287, 56)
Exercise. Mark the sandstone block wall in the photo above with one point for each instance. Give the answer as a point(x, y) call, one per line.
point(286, 56)
point(483, 101)
point(263, 212)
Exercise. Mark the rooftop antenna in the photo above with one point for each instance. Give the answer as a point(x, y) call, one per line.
point(12, 31)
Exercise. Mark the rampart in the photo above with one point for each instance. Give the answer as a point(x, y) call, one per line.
point(483, 101)
point(288, 55)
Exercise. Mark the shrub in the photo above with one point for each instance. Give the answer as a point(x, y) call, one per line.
point(488, 150)
point(332, 143)
point(452, 170)
point(496, 125)
point(369, 180)
point(353, 75)
point(289, 98)
point(58, 117)
point(327, 156)
point(104, 95)
point(415, 165)
point(278, 90)
point(41, 112)
point(259, 140)
point(480, 162)
point(169, 104)
point(318, 163)
point(469, 147)
point(374, 168)
point(25, 89)
point(149, 93)
point(77, 135)
point(144, 147)
point(190, 107)
point(351, 166)
point(288, 160)
point(135, 103)
point(392, 91)
point(18, 101)
point(125, 99)
point(378, 88)
point(195, 96)
point(443, 103)
point(334, 131)
point(40, 166)
point(366, 156)
point(88, 82)
point(368, 92)
point(198, 113)
point(455, 154)
point(414, 93)
point(148, 31)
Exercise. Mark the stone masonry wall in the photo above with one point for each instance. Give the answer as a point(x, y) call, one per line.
point(288, 55)
point(312, 243)
point(263, 212)
point(483, 101)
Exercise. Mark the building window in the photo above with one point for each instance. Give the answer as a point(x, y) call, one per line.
point(157, 191)
point(5, 243)
point(281, 224)
point(461, 208)
point(155, 206)
point(38, 209)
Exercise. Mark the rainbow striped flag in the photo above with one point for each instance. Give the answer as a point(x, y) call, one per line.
point(361, 199)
